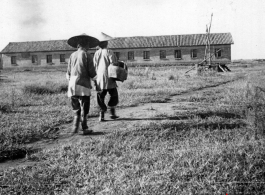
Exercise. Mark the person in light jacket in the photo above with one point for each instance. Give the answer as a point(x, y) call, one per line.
point(80, 71)
point(103, 57)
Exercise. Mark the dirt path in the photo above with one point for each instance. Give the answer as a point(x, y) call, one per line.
point(130, 117)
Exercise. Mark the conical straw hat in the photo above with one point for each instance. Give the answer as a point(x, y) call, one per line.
point(93, 42)
point(104, 37)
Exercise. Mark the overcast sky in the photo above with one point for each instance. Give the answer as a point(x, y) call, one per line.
point(36, 20)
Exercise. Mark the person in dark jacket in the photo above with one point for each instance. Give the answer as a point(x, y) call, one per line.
point(80, 71)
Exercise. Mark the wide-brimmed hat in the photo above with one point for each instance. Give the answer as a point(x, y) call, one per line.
point(73, 41)
point(104, 37)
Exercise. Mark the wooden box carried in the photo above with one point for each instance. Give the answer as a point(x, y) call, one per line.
point(119, 73)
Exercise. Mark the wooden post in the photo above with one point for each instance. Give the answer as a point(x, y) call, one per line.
point(208, 43)
point(206, 48)
point(209, 39)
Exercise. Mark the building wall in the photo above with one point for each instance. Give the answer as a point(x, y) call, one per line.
point(170, 55)
point(25, 59)
point(1, 62)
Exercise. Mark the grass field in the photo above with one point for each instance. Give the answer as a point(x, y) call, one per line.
point(218, 148)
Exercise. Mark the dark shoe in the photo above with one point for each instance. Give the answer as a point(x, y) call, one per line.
point(87, 131)
point(114, 117)
point(101, 117)
point(76, 123)
point(113, 114)
point(84, 123)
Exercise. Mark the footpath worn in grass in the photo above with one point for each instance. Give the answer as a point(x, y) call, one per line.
point(217, 149)
point(33, 102)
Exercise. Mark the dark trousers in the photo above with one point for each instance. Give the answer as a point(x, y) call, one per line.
point(113, 101)
point(80, 105)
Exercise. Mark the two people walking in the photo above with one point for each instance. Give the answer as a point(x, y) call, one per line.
point(82, 68)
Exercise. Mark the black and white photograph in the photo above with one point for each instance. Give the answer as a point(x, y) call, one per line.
point(132, 97)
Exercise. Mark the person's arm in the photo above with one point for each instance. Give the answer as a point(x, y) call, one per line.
point(112, 58)
point(95, 60)
point(95, 64)
point(68, 72)
point(90, 67)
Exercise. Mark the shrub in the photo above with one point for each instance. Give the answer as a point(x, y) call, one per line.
point(171, 77)
point(48, 88)
point(5, 108)
point(255, 111)
point(153, 77)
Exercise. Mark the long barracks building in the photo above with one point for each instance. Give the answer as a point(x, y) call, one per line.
point(140, 50)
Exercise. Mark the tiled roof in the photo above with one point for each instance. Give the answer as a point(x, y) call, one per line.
point(170, 40)
point(125, 42)
point(35, 46)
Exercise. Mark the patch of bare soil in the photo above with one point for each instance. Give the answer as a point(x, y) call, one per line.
point(175, 108)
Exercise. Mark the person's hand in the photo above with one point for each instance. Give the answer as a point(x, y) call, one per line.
point(68, 77)
point(96, 87)
point(95, 78)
